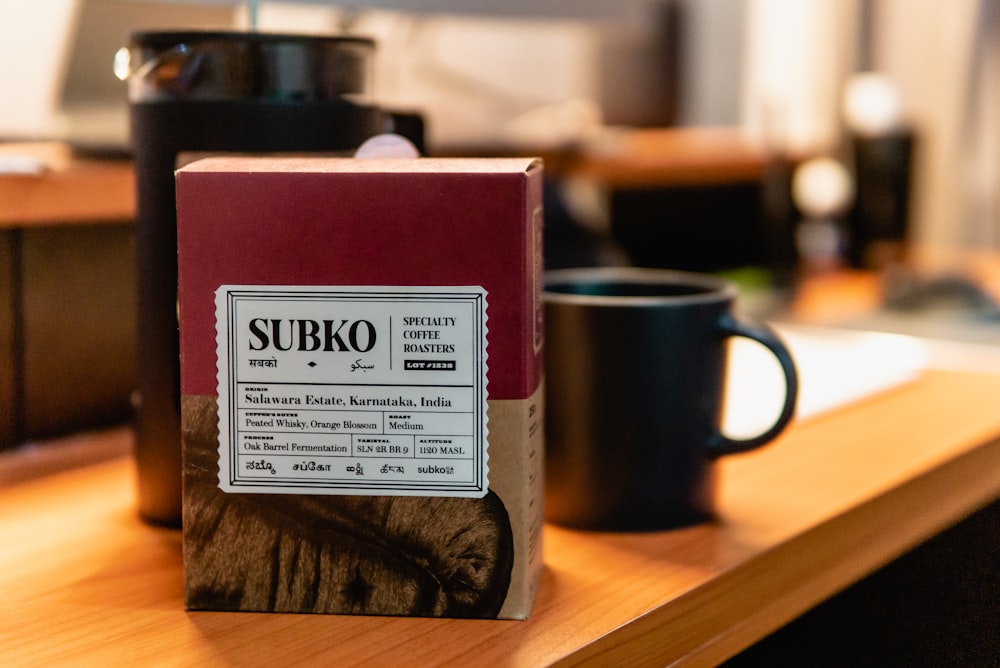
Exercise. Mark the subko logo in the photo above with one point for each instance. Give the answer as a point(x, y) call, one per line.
point(312, 335)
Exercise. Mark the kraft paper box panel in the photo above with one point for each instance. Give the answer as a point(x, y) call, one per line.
point(361, 385)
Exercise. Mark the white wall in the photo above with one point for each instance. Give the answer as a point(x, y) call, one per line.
point(927, 46)
point(799, 53)
point(33, 45)
point(714, 47)
point(486, 81)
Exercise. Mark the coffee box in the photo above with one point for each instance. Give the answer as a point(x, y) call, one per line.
point(361, 384)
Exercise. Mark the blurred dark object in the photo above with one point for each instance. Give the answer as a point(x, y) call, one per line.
point(779, 218)
point(878, 221)
point(11, 333)
point(694, 227)
point(68, 321)
point(696, 199)
point(938, 605)
point(410, 124)
point(952, 295)
point(568, 242)
point(640, 68)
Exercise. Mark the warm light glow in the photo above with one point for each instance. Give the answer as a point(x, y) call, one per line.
point(122, 64)
point(822, 187)
point(872, 104)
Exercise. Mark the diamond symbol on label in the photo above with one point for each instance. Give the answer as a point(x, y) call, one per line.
point(312, 363)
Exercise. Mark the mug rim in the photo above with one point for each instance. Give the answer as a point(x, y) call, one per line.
point(168, 38)
point(714, 289)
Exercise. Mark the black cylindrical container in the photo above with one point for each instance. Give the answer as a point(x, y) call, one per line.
point(211, 92)
point(635, 369)
point(881, 212)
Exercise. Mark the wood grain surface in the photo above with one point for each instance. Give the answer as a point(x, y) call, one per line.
point(86, 583)
point(68, 190)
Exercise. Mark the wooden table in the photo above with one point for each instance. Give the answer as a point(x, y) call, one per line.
point(668, 157)
point(86, 583)
point(66, 190)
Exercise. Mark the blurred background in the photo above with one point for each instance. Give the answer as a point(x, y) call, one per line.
point(837, 158)
point(773, 141)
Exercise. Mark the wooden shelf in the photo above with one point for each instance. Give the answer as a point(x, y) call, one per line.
point(670, 157)
point(836, 497)
point(69, 190)
point(74, 190)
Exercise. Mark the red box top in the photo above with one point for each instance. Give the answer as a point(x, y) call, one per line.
point(343, 221)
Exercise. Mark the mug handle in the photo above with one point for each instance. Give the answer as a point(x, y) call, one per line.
point(720, 444)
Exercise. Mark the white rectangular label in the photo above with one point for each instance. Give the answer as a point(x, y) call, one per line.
point(352, 390)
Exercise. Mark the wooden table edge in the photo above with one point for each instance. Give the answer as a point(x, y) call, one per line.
point(970, 481)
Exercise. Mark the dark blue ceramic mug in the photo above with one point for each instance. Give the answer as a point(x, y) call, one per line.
point(635, 364)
